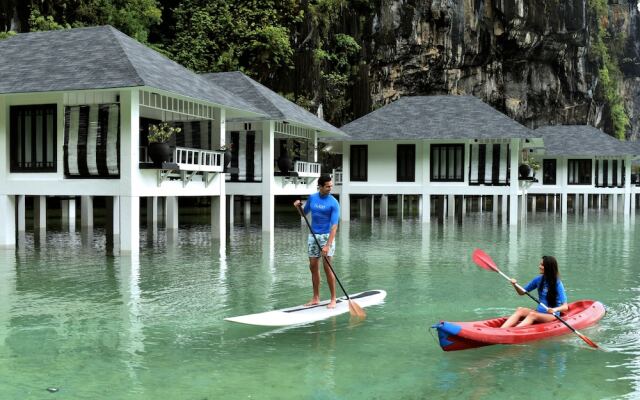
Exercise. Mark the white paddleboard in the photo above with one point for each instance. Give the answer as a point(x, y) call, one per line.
point(303, 315)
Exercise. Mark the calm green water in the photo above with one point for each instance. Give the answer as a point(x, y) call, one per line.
point(97, 326)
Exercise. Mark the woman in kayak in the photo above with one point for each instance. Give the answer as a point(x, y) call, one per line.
point(550, 293)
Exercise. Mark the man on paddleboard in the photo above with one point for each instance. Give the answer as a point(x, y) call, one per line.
point(325, 211)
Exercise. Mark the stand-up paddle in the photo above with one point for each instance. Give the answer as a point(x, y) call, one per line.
point(354, 309)
point(483, 261)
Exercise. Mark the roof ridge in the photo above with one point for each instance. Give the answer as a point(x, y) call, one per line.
point(116, 34)
point(256, 88)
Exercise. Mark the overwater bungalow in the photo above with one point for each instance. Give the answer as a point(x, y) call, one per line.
point(75, 107)
point(440, 150)
point(583, 167)
point(272, 155)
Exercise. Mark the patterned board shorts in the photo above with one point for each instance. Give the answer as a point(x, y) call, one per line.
point(312, 248)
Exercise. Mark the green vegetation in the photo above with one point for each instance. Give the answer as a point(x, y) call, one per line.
point(606, 49)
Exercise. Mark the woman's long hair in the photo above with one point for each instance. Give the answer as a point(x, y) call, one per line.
point(550, 277)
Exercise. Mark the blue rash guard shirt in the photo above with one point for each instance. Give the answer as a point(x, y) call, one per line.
point(325, 211)
point(561, 296)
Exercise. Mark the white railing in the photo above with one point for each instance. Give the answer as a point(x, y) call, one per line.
point(198, 160)
point(307, 169)
point(336, 176)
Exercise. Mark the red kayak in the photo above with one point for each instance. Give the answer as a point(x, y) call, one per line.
point(468, 335)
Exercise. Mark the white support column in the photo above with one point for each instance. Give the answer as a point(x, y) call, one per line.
point(345, 206)
point(171, 203)
point(384, 206)
point(218, 213)
point(113, 215)
point(464, 206)
point(481, 204)
point(372, 204)
point(22, 210)
point(152, 213)
point(565, 199)
point(8, 225)
point(585, 204)
point(534, 199)
point(514, 149)
point(627, 187)
point(64, 212)
point(426, 208)
point(401, 206)
point(576, 204)
point(555, 203)
point(86, 211)
point(247, 209)
point(128, 198)
point(40, 213)
point(451, 205)
point(505, 207)
point(129, 207)
point(494, 204)
point(614, 200)
point(599, 202)
point(268, 181)
point(72, 214)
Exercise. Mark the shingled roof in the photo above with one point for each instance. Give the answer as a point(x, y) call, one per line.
point(98, 58)
point(581, 140)
point(269, 102)
point(436, 117)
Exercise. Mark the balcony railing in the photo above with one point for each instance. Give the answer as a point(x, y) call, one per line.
point(198, 160)
point(306, 169)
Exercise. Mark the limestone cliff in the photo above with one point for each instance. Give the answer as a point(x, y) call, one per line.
point(532, 59)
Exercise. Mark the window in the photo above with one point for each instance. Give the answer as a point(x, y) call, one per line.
point(92, 141)
point(406, 163)
point(549, 171)
point(579, 172)
point(447, 162)
point(33, 138)
point(358, 163)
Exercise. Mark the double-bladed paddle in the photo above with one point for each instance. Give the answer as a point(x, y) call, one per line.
point(354, 309)
point(483, 261)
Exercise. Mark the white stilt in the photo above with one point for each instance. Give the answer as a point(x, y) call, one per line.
point(345, 206)
point(218, 212)
point(268, 190)
point(72, 215)
point(171, 203)
point(564, 206)
point(533, 204)
point(86, 211)
point(246, 206)
point(152, 213)
point(614, 199)
point(8, 225)
point(451, 205)
point(129, 207)
point(505, 207)
point(113, 215)
point(40, 213)
point(21, 206)
point(231, 209)
point(464, 206)
point(401, 206)
point(425, 215)
point(585, 204)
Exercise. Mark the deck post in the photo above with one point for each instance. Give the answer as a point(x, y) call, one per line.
point(426, 208)
point(171, 204)
point(268, 170)
point(614, 200)
point(384, 206)
point(565, 199)
point(21, 208)
point(345, 206)
point(40, 213)
point(230, 205)
point(8, 226)
point(129, 207)
point(86, 211)
point(113, 215)
point(451, 205)
point(585, 204)
point(401, 206)
point(514, 182)
point(152, 213)
point(246, 205)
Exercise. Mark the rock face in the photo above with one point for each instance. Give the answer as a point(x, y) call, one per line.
point(532, 59)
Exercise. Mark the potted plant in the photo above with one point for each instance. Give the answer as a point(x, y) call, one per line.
point(529, 164)
point(158, 137)
point(226, 149)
